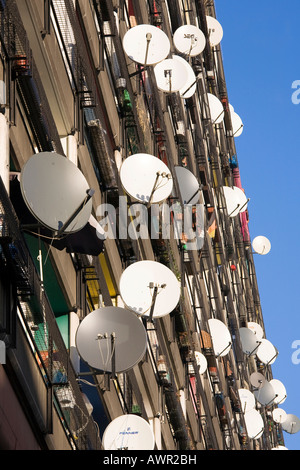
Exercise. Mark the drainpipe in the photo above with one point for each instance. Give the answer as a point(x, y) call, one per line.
point(4, 151)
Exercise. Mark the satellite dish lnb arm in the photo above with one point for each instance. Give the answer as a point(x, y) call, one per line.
point(63, 228)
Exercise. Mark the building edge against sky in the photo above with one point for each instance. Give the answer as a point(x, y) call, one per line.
point(191, 363)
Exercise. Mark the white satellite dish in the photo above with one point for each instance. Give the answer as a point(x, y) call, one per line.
point(279, 415)
point(249, 341)
point(279, 448)
point(149, 284)
point(55, 190)
point(189, 40)
point(291, 424)
point(247, 399)
point(237, 124)
point(188, 185)
point(128, 432)
point(257, 380)
point(146, 178)
point(261, 245)
point(254, 424)
point(220, 335)
point(111, 339)
point(215, 31)
point(146, 44)
point(256, 328)
point(171, 75)
point(265, 395)
point(201, 362)
point(236, 200)
point(190, 86)
point(279, 390)
point(216, 109)
point(266, 352)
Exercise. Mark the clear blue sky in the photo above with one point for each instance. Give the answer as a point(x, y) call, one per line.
point(261, 53)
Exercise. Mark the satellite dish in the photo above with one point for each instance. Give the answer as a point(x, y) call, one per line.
point(237, 124)
point(188, 185)
point(279, 415)
point(280, 448)
point(201, 362)
point(171, 75)
point(254, 424)
point(257, 380)
point(291, 424)
point(249, 341)
point(54, 190)
point(266, 394)
point(266, 352)
point(215, 31)
point(247, 400)
point(190, 85)
point(261, 245)
point(146, 178)
point(216, 109)
point(279, 390)
point(236, 201)
point(108, 335)
point(189, 40)
point(221, 338)
point(257, 329)
point(128, 432)
point(149, 289)
point(146, 44)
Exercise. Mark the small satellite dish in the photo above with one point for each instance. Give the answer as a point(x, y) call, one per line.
point(201, 362)
point(149, 288)
point(189, 88)
point(220, 335)
point(261, 245)
point(280, 448)
point(291, 424)
point(266, 352)
point(146, 178)
point(128, 432)
point(171, 75)
point(279, 415)
point(111, 338)
point(257, 380)
point(146, 44)
point(254, 424)
point(266, 394)
point(249, 341)
point(236, 201)
point(216, 109)
point(279, 390)
point(215, 31)
point(188, 185)
point(237, 125)
point(247, 400)
point(257, 329)
point(54, 190)
point(189, 40)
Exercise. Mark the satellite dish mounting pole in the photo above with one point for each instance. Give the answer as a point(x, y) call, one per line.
point(192, 196)
point(153, 302)
point(220, 354)
point(148, 37)
point(62, 229)
point(113, 355)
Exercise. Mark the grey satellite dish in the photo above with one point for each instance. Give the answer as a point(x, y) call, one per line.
point(56, 192)
point(291, 424)
point(249, 341)
point(111, 339)
point(128, 432)
point(188, 185)
point(266, 394)
point(146, 178)
point(149, 289)
point(146, 44)
point(189, 40)
point(257, 380)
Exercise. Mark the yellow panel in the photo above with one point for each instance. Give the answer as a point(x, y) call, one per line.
point(109, 282)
